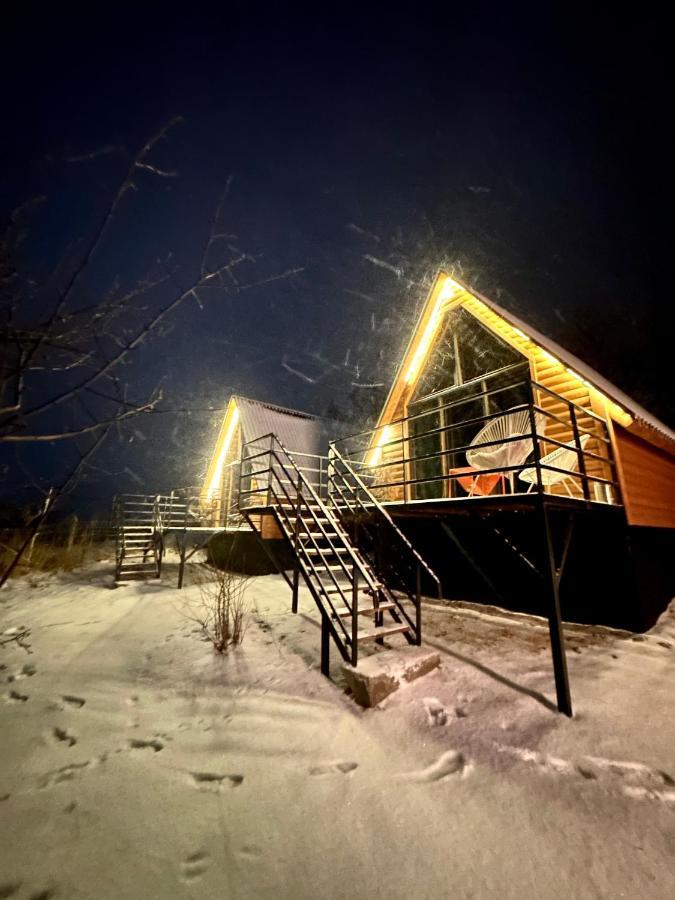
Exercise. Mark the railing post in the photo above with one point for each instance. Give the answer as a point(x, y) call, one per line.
point(296, 542)
point(535, 442)
point(404, 441)
point(355, 614)
point(580, 453)
point(241, 473)
point(329, 473)
point(269, 472)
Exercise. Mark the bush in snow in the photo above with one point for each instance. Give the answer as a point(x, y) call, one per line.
point(224, 610)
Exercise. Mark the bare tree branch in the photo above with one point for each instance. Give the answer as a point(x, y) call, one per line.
point(85, 429)
point(107, 219)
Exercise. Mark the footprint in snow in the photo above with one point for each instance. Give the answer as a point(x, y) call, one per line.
point(16, 697)
point(633, 773)
point(213, 781)
point(139, 744)
point(451, 762)
point(72, 700)
point(194, 865)
point(61, 736)
point(635, 779)
point(436, 712)
point(26, 671)
point(65, 773)
point(341, 766)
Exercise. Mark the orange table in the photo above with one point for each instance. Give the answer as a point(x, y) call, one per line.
point(474, 484)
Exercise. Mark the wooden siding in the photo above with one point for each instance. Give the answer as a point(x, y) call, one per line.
point(647, 480)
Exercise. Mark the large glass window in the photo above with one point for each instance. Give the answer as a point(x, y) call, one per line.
point(464, 350)
point(470, 373)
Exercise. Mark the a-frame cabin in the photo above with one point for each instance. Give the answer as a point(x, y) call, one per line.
point(510, 463)
point(246, 421)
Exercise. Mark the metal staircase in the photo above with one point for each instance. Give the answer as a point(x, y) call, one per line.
point(136, 557)
point(347, 585)
point(140, 521)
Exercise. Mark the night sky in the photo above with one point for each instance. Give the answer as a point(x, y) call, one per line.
point(525, 146)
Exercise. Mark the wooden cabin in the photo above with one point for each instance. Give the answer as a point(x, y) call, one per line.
point(246, 421)
point(489, 422)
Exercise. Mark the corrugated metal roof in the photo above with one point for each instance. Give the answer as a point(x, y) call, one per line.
point(298, 431)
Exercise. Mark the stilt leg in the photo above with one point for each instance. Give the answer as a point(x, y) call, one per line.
point(181, 567)
point(562, 685)
point(296, 584)
point(325, 646)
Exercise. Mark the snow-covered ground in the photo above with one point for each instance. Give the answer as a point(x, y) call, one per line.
point(137, 763)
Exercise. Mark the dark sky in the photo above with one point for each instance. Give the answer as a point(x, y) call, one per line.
point(525, 145)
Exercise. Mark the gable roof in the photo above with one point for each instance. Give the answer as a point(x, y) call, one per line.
point(621, 407)
point(299, 432)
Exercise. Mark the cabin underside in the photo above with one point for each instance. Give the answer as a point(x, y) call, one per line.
point(494, 551)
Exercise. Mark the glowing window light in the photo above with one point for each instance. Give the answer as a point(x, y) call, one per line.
point(217, 474)
point(375, 454)
point(447, 292)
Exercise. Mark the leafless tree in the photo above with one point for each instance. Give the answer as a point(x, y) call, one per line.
point(63, 350)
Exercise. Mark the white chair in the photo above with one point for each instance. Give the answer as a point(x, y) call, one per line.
point(562, 458)
point(511, 453)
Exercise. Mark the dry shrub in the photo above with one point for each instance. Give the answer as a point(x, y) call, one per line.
point(55, 549)
point(224, 608)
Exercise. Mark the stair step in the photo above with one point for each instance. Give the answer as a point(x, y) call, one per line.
point(135, 567)
point(346, 588)
point(382, 631)
point(344, 611)
point(328, 551)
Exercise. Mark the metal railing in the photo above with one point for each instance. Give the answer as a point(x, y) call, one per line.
point(335, 570)
point(371, 528)
point(271, 480)
point(422, 455)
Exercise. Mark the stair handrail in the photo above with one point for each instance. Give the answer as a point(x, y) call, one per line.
point(358, 568)
point(320, 503)
point(308, 562)
point(334, 454)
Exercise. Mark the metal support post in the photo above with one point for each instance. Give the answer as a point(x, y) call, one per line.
point(418, 606)
point(325, 645)
point(553, 574)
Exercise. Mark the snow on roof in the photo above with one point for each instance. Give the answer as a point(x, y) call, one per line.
point(580, 367)
point(298, 431)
